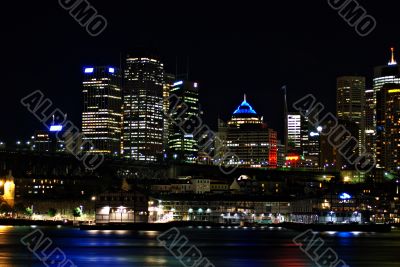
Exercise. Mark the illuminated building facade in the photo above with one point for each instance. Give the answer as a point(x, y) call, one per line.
point(42, 141)
point(310, 141)
point(169, 80)
point(121, 207)
point(350, 104)
point(143, 121)
point(311, 145)
point(7, 190)
point(281, 157)
point(249, 138)
point(183, 145)
point(101, 117)
point(388, 120)
point(294, 131)
point(370, 124)
point(387, 74)
point(303, 141)
point(47, 141)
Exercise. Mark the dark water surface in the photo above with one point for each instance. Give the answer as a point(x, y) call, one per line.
point(223, 247)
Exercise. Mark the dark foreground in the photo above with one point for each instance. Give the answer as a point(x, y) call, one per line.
point(224, 247)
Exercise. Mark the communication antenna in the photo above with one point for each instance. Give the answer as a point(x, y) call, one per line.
point(284, 88)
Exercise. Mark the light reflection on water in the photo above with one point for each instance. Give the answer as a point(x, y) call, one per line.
point(224, 247)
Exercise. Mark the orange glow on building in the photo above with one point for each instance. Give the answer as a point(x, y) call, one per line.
point(292, 158)
point(7, 190)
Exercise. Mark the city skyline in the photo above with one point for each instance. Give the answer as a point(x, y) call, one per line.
point(255, 56)
point(211, 133)
point(370, 83)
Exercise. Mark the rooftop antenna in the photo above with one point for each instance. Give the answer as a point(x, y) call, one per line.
point(284, 88)
point(392, 60)
point(176, 67)
point(120, 62)
point(187, 68)
point(245, 98)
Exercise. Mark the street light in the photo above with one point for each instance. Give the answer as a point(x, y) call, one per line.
point(331, 213)
point(190, 214)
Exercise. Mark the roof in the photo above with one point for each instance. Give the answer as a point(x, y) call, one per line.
point(245, 108)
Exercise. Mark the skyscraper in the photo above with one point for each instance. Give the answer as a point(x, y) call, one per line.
point(350, 104)
point(249, 138)
point(143, 109)
point(101, 117)
point(310, 142)
point(387, 74)
point(370, 123)
point(388, 118)
point(169, 80)
point(183, 145)
point(328, 159)
point(294, 131)
point(303, 139)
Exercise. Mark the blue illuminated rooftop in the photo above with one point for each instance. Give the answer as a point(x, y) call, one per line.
point(244, 108)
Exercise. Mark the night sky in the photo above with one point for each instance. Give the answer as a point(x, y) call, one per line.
point(251, 47)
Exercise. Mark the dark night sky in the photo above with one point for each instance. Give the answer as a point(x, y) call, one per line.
point(253, 47)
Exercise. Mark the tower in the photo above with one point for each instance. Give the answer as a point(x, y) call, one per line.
point(102, 117)
point(249, 138)
point(143, 123)
point(383, 75)
point(350, 105)
point(183, 145)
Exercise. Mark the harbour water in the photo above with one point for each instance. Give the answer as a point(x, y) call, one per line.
point(223, 247)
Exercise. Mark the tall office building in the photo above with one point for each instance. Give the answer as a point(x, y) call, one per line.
point(101, 117)
point(328, 158)
point(352, 148)
point(303, 140)
point(42, 141)
point(350, 104)
point(143, 123)
point(388, 118)
point(280, 155)
point(370, 123)
point(183, 145)
point(169, 80)
point(249, 138)
point(47, 141)
point(294, 131)
point(387, 74)
point(311, 146)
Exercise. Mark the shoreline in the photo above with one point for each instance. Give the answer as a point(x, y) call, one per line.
point(381, 228)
